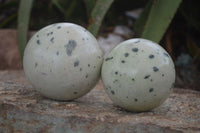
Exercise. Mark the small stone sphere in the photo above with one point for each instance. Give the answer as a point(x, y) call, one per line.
point(63, 61)
point(138, 75)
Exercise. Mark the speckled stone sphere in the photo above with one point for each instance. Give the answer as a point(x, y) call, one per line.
point(63, 61)
point(138, 75)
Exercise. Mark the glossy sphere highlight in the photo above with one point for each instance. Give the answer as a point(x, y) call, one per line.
point(63, 61)
point(138, 75)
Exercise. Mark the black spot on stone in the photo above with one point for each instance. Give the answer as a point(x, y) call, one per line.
point(36, 64)
point(151, 56)
point(70, 47)
point(86, 76)
point(109, 58)
point(116, 72)
point(165, 54)
point(83, 39)
point(88, 65)
point(154, 95)
point(133, 79)
point(48, 34)
point(135, 49)
point(57, 53)
point(38, 42)
point(52, 40)
point(94, 66)
point(137, 41)
point(123, 61)
point(155, 69)
point(120, 75)
point(112, 92)
point(76, 63)
point(51, 33)
point(163, 75)
point(127, 97)
point(151, 90)
point(147, 76)
point(99, 57)
point(135, 99)
point(75, 92)
point(126, 54)
point(80, 69)
point(115, 81)
point(151, 80)
point(37, 36)
point(87, 39)
point(58, 27)
point(44, 73)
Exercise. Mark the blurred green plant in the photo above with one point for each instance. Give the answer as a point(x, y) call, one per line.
point(152, 24)
point(23, 22)
point(155, 19)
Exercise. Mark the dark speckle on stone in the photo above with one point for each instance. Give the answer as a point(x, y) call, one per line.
point(151, 56)
point(70, 47)
point(147, 76)
point(75, 92)
point(151, 80)
point(99, 57)
point(126, 54)
point(137, 41)
point(127, 97)
point(76, 63)
point(52, 40)
point(154, 95)
point(36, 64)
point(80, 69)
point(50, 70)
point(112, 92)
point(135, 99)
point(135, 49)
point(51, 33)
point(86, 76)
point(155, 69)
point(83, 39)
point(48, 34)
point(123, 61)
point(94, 66)
point(163, 75)
point(165, 54)
point(116, 72)
point(57, 53)
point(120, 75)
point(109, 58)
point(133, 79)
point(44, 73)
point(58, 27)
point(88, 65)
point(151, 90)
point(38, 42)
point(115, 81)
point(37, 36)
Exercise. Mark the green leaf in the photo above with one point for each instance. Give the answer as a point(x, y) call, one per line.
point(89, 6)
point(97, 15)
point(155, 19)
point(23, 22)
point(58, 5)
